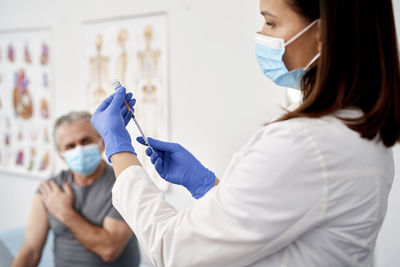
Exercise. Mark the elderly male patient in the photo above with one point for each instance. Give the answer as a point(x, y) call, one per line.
point(76, 206)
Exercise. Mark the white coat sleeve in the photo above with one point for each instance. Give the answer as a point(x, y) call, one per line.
point(275, 193)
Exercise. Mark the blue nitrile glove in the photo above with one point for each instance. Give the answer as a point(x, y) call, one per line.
point(110, 120)
point(177, 165)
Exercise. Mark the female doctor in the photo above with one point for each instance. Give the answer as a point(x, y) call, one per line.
point(309, 189)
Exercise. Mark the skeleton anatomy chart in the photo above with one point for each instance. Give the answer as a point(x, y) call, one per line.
point(134, 51)
point(25, 103)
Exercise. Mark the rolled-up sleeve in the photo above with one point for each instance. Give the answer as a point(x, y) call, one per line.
point(273, 194)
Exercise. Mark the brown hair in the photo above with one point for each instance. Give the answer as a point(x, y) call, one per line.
point(359, 66)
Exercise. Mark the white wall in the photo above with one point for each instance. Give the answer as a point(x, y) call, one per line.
point(387, 249)
point(213, 72)
point(214, 80)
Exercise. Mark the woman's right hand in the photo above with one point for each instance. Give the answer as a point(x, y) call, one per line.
point(177, 165)
point(110, 120)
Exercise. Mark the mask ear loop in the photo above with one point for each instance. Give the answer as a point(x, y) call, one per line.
point(294, 38)
point(312, 61)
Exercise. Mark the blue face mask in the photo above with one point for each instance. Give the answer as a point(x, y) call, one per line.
point(269, 52)
point(83, 159)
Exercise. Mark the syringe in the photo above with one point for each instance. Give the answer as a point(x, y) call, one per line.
point(116, 85)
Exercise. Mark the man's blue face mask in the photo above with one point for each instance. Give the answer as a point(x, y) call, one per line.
point(269, 52)
point(83, 159)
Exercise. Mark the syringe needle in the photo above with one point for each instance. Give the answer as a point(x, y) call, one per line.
point(146, 141)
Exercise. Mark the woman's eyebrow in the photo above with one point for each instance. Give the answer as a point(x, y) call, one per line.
point(85, 138)
point(267, 13)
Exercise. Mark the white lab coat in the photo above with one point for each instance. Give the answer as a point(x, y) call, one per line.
point(303, 192)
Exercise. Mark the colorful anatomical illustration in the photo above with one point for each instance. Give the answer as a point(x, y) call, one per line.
point(44, 58)
point(122, 60)
point(44, 108)
point(44, 163)
point(10, 53)
point(45, 80)
point(98, 72)
point(20, 157)
point(27, 55)
point(7, 139)
point(25, 103)
point(22, 99)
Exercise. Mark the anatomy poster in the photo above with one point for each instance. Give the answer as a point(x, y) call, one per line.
point(25, 103)
point(134, 51)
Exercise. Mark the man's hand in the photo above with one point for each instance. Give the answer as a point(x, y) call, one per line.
point(107, 241)
point(58, 202)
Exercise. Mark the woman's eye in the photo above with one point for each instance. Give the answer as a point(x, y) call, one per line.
point(271, 24)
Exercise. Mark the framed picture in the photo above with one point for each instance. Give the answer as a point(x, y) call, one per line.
point(26, 112)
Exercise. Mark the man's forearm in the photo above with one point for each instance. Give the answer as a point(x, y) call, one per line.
point(92, 237)
point(26, 258)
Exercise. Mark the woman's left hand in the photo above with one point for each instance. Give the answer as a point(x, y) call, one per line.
point(177, 165)
point(110, 120)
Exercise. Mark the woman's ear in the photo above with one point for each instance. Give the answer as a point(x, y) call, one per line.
point(319, 36)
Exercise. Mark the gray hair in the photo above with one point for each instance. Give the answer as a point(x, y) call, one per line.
point(71, 117)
